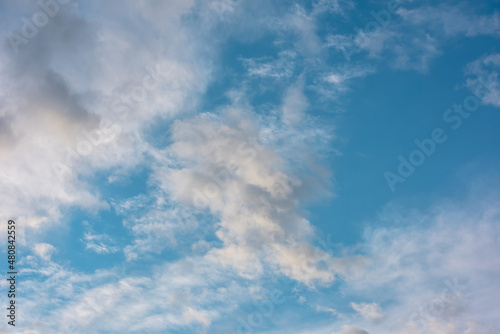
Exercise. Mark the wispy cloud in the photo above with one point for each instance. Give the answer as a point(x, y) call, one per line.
point(482, 78)
point(453, 20)
point(282, 67)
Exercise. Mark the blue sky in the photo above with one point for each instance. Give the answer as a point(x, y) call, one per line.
point(232, 166)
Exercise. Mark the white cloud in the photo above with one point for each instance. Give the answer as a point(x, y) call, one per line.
point(372, 311)
point(453, 20)
point(246, 174)
point(295, 104)
point(48, 102)
point(224, 168)
point(421, 32)
point(44, 250)
point(180, 295)
point(399, 44)
point(433, 271)
point(332, 6)
point(304, 27)
point(99, 243)
point(266, 67)
point(348, 329)
point(156, 224)
point(413, 37)
point(433, 277)
point(341, 77)
point(482, 78)
point(302, 24)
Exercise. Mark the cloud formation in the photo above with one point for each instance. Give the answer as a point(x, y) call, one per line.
point(205, 150)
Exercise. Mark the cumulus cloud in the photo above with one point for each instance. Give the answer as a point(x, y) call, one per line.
point(433, 277)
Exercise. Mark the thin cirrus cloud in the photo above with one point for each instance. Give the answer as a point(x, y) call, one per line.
point(53, 106)
point(484, 71)
point(432, 277)
point(228, 171)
